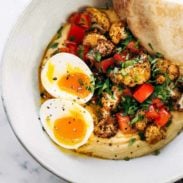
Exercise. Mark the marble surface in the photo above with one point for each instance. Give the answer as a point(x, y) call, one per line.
point(16, 165)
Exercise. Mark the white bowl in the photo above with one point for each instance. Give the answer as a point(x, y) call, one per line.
point(21, 59)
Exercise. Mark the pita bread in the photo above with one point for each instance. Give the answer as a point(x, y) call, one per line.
point(155, 22)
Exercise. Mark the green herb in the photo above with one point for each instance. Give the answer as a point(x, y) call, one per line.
point(97, 56)
point(129, 38)
point(131, 141)
point(129, 105)
point(150, 45)
point(159, 55)
point(59, 32)
point(101, 86)
point(126, 158)
point(146, 104)
point(169, 123)
point(53, 45)
point(142, 136)
point(162, 92)
point(129, 63)
point(119, 49)
point(80, 51)
point(136, 119)
point(157, 152)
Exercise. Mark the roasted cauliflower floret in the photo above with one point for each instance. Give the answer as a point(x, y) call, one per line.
point(92, 39)
point(133, 75)
point(166, 67)
point(110, 102)
point(162, 65)
point(99, 18)
point(117, 32)
point(106, 128)
point(160, 79)
point(142, 123)
point(173, 72)
point(104, 47)
point(154, 134)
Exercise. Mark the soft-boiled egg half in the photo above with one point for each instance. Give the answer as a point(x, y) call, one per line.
point(67, 123)
point(66, 76)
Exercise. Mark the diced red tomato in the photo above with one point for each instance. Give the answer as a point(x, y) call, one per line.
point(123, 122)
point(81, 19)
point(164, 117)
point(105, 64)
point(120, 57)
point(76, 34)
point(157, 103)
point(143, 92)
point(132, 47)
point(152, 113)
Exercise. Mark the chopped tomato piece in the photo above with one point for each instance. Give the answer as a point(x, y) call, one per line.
point(143, 92)
point(157, 103)
point(152, 113)
point(132, 47)
point(105, 64)
point(76, 34)
point(164, 117)
point(81, 19)
point(120, 57)
point(123, 122)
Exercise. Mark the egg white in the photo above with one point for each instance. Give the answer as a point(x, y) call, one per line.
point(61, 62)
point(55, 109)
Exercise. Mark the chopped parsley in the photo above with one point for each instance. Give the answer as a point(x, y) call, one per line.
point(53, 45)
point(129, 105)
point(97, 56)
point(136, 119)
point(157, 152)
point(131, 141)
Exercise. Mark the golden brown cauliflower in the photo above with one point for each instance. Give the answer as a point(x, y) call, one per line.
point(117, 32)
point(160, 79)
point(110, 102)
point(164, 66)
point(99, 18)
point(141, 125)
point(91, 39)
point(154, 134)
point(132, 75)
point(173, 72)
point(104, 47)
point(106, 128)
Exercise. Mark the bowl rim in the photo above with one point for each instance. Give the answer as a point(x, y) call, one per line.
point(29, 5)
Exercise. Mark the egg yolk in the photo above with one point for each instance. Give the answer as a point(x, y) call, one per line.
point(75, 83)
point(70, 130)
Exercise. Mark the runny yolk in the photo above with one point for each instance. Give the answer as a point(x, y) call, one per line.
point(75, 83)
point(70, 130)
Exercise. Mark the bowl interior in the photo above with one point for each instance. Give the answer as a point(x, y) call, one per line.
point(22, 57)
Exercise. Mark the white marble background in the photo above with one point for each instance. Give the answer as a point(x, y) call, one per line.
point(16, 165)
